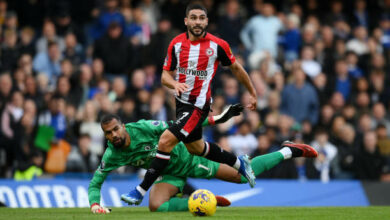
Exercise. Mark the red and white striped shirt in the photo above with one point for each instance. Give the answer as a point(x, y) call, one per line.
point(196, 63)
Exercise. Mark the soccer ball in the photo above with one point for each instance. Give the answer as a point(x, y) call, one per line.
point(202, 203)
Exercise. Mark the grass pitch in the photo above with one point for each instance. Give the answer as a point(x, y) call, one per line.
point(285, 213)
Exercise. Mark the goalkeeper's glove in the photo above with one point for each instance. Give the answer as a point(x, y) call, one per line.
point(97, 209)
point(228, 113)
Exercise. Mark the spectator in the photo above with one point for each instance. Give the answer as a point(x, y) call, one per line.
point(383, 142)
point(32, 92)
point(158, 110)
point(326, 116)
point(326, 154)
point(362, 102)
point(138, 30)
point(151, 12)
point(73, 50)
point(292, 38)
point(63, 89)
point(54, 117)
point(80, 158)
point(343, 82)
point(273, 105)
point(369, 163)
point(311, 67)
point(11, 21)
point(49, 35)
point(159, 42)
point(353, 69)
point(380, 92)
point(231, 91)
point(9, 51)
point(110, 15)
point(284, 123)
point(90, 126)
point(67, 69)
point(97, 71)
point(243, 142)
point(299, 99)
point(328, 54)
point(360, 16)
point(336, 13)
point(115, 51)
point(358, 43)
point(347, 147)
point(349, 113)
point(261, 31)
point(19, 78)
point(5, 89)
point(230, 22)
point(49, 63)
point(127, 110)
point(379, 115)
point(65, 24)
point(264, 146)
point(26, 65)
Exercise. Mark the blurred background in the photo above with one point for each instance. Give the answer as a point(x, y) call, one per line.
point(320, 68)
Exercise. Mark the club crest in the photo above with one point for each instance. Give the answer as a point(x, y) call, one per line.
point(209, 52)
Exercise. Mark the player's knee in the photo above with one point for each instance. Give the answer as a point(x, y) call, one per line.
point(194, 150)
point(153, 206)
point(165, 144)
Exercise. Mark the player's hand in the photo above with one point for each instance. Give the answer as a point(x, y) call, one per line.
point(97, 209)
point(181, 88)
point(252, 103)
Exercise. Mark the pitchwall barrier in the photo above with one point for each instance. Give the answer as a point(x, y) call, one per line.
point(74, 193)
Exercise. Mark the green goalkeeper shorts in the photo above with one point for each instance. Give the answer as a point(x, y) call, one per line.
point(200, 168)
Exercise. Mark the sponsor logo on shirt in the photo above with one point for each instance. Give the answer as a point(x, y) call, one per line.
point(202, 74)
point(156, 123)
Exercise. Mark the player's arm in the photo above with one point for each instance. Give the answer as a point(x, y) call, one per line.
point(228, 113)
point(167, 76)
point(168, 81)
point(96, 184)
point(244, 79)
point(226, 57)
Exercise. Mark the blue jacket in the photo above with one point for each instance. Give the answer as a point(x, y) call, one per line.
point(300, 103)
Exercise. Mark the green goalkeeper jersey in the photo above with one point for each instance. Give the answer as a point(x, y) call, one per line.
point(144, 138)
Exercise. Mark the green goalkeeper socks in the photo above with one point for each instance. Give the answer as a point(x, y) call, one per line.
point(174, 204)
point(265, 162)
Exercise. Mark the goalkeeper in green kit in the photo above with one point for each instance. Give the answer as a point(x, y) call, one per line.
point(135, 144)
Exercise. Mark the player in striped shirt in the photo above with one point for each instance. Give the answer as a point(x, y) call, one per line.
point(194, 57)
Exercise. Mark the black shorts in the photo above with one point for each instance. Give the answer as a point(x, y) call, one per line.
point(188, 125)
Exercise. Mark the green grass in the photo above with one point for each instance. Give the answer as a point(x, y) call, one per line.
point(331, 213)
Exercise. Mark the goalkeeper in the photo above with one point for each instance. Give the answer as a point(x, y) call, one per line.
point(135, 144)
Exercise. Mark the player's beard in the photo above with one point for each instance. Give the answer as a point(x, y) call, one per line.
point(120, 143)
point(191, 29)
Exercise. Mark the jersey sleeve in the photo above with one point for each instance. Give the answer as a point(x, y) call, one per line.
point(225, 54)
point(170, 61)
point(106, 166)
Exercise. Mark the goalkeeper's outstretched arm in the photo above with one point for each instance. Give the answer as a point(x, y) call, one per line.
point(99, 177)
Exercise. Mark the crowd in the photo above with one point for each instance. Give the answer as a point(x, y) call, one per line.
point(320, 69)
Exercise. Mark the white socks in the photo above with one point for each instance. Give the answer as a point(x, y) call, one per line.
point(286, 152)
point(237, 164)
point(142, 191)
